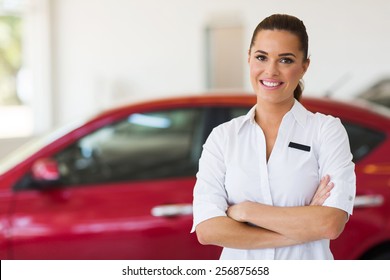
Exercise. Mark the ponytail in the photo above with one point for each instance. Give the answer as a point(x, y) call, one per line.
point(298, 90)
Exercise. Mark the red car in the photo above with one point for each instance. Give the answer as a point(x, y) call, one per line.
point(119, 186)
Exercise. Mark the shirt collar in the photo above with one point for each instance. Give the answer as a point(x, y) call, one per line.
point(298, 111)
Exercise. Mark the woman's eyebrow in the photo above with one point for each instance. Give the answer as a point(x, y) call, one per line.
point(287, 54)
point(260, 51)
point(280, 55)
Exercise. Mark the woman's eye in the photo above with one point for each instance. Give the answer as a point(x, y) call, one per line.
point(261, 57)
point(286, 60)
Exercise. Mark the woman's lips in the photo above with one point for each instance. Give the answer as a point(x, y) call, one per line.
point(271, 84)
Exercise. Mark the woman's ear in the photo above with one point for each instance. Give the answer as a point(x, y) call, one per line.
point(306, 65)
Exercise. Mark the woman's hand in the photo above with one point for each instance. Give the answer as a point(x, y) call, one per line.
point(237, 211)
point(323, 191)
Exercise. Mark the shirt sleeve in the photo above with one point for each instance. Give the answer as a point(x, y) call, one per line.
point(335, 159)
point(210, 197)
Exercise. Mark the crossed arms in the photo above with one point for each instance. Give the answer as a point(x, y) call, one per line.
point(274, 226)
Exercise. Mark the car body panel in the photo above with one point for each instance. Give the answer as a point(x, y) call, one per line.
point(115, 220)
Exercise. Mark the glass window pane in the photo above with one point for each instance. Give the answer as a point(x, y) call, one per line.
point(142, 146)
point(362, 140)
point(239, 111)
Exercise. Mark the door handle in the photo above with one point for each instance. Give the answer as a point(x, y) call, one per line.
point(368, 201)
point(171, 210)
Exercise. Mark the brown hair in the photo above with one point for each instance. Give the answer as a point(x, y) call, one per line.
point(291, 24)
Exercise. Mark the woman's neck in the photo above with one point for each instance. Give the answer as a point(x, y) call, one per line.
point(271, 114)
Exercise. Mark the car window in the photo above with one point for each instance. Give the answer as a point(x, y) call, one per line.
point(362, 140)
point(239, 111)
point(141, 146)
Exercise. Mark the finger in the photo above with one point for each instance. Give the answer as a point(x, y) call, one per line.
point(320, 199)
point(324, 181)
point(322, 188)
point(321, 193)
point(327, 191)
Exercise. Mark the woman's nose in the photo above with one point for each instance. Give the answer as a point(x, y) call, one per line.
point(272, 69)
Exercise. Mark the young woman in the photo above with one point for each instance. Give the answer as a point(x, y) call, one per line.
point(279, 182)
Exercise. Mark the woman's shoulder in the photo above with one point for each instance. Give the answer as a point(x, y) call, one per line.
point(324, 118)
point(326, 123)
point(314, 120)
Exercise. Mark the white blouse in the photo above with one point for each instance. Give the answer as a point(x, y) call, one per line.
point(233, 169)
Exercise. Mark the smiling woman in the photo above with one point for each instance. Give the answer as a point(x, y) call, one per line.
point(286, 53)
point(279, 182)
point(276, 63)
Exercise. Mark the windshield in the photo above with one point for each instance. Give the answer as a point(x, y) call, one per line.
point(33, 146)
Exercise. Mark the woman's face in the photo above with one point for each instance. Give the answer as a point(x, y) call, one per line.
point(276, 65)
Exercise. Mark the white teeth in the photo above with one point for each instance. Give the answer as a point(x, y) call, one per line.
point(270, 84)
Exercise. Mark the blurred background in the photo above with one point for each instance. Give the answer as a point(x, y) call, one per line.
point(121, 186)
point(62, 60)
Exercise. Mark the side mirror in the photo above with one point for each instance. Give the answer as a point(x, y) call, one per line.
point(45, 170)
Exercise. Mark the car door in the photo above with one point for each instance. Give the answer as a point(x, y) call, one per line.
point(367, 226)
point(125, 193)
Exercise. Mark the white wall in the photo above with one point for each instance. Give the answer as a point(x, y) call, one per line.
point(109, 51)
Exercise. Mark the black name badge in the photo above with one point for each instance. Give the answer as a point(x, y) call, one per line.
point(299, 146)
